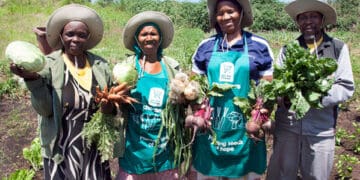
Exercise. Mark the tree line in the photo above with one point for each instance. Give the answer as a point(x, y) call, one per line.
point(268, 14)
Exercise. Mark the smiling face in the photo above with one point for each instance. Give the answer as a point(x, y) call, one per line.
point(149, 40)
point(310, 25)
point(75, 35)
point(228, 17)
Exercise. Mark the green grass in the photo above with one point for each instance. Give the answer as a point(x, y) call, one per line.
point(16, 126)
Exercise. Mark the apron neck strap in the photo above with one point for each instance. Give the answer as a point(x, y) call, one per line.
point(141, 71)
point(215, 48)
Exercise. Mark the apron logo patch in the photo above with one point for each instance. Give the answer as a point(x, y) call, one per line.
point(156, 97)
point(227, 71)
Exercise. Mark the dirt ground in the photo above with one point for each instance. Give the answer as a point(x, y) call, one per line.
point(15, 135)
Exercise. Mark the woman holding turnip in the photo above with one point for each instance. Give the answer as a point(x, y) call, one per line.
point(232, 56)
point(306, 146)
point(149, 153)
point(64, 94)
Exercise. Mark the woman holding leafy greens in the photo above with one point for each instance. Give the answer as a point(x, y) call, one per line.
point(307, 145)
point(232, 56)
point(149, 151)
point(63, 94)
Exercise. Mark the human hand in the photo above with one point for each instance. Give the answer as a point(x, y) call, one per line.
point(23, 73)
point(120, 94)
point(101, 98)
point(258, 123)
point(115, 96)
point(201, 118)
point(284, 101)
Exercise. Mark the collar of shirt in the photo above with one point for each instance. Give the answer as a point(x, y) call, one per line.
point(238, 45)
point(312, 46)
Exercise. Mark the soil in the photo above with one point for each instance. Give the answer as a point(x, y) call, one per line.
point(15, 135)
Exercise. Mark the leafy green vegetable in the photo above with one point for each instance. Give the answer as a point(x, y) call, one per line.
point(206, 91)
point(103, 130)
point(33, 154)
point(217, 89)
point(303, 78)
point(21, 174)
point(26, 55)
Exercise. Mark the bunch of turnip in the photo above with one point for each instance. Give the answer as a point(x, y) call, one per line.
point(183, 90)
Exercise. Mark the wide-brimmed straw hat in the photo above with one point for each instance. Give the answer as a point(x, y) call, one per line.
point(163, 21)
point(300, 6)
point(247, 19)
point(74, 12)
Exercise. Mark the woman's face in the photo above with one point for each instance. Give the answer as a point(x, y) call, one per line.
point(149, 40)
point(75, 35)
point(228, 17)
point(310, 24)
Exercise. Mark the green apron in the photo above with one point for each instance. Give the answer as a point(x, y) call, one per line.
point(144, 123)
point(234, 155)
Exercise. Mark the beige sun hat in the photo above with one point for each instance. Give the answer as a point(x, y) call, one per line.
point(74, 12)
point(163, 21)
point(300, 6)
point(245, 4)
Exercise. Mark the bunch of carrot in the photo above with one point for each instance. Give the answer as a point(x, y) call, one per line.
point(104, 130)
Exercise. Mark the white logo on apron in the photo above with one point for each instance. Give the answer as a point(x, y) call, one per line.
point(156, 97)
point(227, 72)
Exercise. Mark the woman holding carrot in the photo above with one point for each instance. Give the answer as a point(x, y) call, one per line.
point(63, 94)
point(148, 153)
point(232, 56)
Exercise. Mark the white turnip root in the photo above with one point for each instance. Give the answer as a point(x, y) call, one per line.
point(182, 77)
point(182, 90)
point(192, 90)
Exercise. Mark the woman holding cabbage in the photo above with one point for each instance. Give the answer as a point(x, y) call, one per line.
point(148, 154)
point(63, 94)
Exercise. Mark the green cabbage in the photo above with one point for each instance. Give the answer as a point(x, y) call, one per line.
point(125, 72)
point(26, 55)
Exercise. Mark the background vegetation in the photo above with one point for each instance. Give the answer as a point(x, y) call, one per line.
point(19, 17)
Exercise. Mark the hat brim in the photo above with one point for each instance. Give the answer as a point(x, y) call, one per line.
point(74, 12)
point(164, 22)
point(301, 6)
point(247, 20)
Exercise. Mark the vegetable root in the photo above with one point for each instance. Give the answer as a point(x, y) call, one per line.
point(259, 116)
point(117, 95)
point(183, 90)
point(200, 119)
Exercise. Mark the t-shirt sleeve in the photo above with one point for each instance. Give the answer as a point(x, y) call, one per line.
point(261, 59)
point(201, 57)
